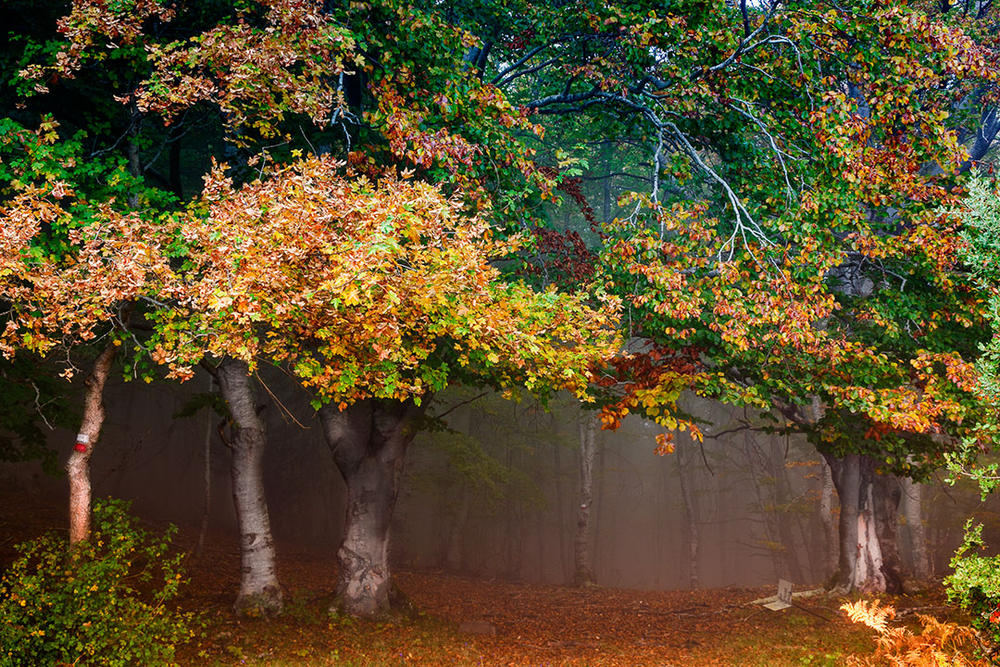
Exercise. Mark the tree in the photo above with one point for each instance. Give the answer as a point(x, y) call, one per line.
point(832, 279)
point(583, 552)
point(981, 234)
point(437, 119)
point(70, 269)
point(375, 294)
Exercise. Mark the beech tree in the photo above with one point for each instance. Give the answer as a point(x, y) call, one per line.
point(70, 271)
point(833, 283)
point(375, 163)
point(791, 251)
point(375, 295)
point(374, 285)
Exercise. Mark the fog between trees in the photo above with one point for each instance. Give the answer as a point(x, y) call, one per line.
point(496, 496)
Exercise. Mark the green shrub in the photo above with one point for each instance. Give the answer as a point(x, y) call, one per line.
point(975, 584)
point(101, 602)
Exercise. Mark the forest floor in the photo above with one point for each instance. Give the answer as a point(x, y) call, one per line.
point(470, 621)
point(533, 624)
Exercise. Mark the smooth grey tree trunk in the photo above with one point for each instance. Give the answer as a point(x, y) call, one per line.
point(583, 554)
point(912, 510)
point(368, 441)
point(690, 518)
point(831, 548)
point(869, 559)
point(260, 593)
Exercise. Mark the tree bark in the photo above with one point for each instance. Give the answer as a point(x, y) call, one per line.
point(368, 441)
point(78, 464)
point(783, 515)
point(260, 593)
point(206, 470)
point(831, 543)
point(912, 495)
point(583, 554)
point(869, 560)
point(690, 519)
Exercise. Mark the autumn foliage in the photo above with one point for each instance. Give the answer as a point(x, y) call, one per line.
point(365, 288)
point(939, 643)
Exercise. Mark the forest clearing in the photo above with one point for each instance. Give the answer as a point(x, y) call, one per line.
point(462, 620)
point(499, 332)
point(458, 620)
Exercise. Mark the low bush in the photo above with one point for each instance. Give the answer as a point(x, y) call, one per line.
point(101, 602)
point(975, 585)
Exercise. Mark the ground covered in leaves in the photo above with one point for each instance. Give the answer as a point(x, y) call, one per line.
point(467, 621)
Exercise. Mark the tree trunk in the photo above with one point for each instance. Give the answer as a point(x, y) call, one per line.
point(831, 543)
point(784, 515)
point(78, 464)
point(260, 593)
point(583, 555)
point(560, 511)
point(690, 519)
point(368, 441)
point(206, 478)
point(868, 554)
point(912, 495)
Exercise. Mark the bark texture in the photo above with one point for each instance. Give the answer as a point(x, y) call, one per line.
point(912, 510)
point(583, 554)
point(869, 557)
point(78, 464)
point(690, 517)
point(260, 593)
point(368, 441)
point(831, 542)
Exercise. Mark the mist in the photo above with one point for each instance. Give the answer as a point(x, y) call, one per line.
point(491, 488)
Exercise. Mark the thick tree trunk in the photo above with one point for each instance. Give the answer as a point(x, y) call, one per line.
point(368, 441)
point(260, 593)
point(583, 555)
point(912, 495)
point(78, 464)
point(869, 559)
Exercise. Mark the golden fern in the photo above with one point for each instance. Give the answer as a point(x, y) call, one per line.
point(938, 644)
